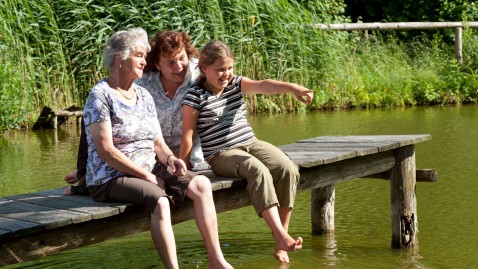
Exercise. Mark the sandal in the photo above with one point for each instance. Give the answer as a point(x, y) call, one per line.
point(82, 190)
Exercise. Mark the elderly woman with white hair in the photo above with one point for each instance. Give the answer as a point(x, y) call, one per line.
point(125, 141)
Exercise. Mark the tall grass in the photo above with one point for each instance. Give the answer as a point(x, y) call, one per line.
point(34, 69)
point(52, 53)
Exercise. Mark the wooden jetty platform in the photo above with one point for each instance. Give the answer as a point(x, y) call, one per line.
point(38, 224)
point(50, 119)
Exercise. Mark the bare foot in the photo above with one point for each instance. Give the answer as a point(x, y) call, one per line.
point(285, 245)
point(281, 255)
point(220, 264)
point(67, 191)
point(289, 244)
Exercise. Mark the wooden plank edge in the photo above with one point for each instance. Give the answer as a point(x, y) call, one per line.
point(422, 175)
point(42, 243)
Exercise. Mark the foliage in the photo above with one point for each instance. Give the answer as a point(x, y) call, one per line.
point(412, 10)
point(53, 51)
point(34, 66)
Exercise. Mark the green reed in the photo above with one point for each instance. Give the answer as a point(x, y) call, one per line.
point(52, 53)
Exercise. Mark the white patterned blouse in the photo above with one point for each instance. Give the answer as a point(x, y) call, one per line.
point(169, 112)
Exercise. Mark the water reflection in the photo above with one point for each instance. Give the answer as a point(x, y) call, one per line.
point(447, 210)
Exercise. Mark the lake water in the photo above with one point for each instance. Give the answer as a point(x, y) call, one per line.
point(447, 210)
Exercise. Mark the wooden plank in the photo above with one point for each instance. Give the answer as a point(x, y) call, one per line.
point(94, 210)
point(422, 175)
point(394, 25)
point(312, 159)
point(219, 183)
point(14, 227)
point(49, 241)
point(361, 166)
point(337, 148)
point(323, 161)
point(58, 194)
point(68, 113)
point(4, 233)
point(46, 217)
point(402, 139)
point(131, 221)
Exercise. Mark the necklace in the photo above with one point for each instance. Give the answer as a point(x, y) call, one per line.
point(121, 90)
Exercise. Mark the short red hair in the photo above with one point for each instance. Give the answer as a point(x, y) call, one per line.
point(167, 43)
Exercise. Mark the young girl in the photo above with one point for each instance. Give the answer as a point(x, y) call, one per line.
point(215, 109)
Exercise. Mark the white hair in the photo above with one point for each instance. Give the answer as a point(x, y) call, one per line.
point(123, 43)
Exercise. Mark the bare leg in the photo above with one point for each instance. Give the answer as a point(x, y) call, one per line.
point(284, 214)
point(199, 191)
point(162, 234)
point(283, 240)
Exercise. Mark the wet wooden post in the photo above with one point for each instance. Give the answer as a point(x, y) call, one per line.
point(322, 202)
point(403, 199)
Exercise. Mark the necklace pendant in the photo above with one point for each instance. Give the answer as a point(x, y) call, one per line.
point(118, 88)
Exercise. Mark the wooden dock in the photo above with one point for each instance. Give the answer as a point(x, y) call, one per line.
point(50, 119)
point(38, 224)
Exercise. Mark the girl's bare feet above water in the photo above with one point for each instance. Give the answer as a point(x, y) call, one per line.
point(287, 246)
point(284, 242)
point(281, 256)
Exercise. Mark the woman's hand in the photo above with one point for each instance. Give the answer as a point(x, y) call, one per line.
point(156, 181)
point(176, 166)
point(152, 178)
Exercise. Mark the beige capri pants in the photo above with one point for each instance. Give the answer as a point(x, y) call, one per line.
point(271, 175)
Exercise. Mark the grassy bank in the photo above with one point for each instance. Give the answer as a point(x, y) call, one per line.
point(52, 53)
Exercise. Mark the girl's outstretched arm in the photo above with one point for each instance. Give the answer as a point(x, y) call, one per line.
point(270, 86)
point(190, 118)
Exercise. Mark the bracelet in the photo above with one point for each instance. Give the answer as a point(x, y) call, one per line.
point(167, 160)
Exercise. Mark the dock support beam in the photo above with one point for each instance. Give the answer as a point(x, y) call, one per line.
point(403, 199)
point(322, 210)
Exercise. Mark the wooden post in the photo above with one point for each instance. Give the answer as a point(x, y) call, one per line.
point(54, 120)
point(403, 199)
point(459, 45)
point(322, 210)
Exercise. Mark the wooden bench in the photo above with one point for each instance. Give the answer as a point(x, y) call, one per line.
point(37, 224)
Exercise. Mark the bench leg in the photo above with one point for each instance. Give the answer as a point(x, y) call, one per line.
point(403, 199)
point(322, 210)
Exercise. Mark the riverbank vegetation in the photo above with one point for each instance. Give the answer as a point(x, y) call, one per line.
point(52, 53)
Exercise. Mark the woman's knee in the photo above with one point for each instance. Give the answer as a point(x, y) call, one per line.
point(162, 205)
point(199, 185)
